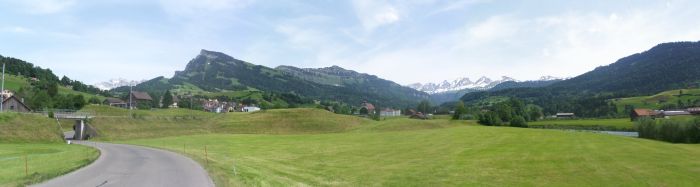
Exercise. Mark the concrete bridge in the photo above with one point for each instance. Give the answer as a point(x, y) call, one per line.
point(81, 130)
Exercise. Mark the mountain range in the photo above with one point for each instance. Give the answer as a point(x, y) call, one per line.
point(118, 82)
point(212, 71)
point(447, 91)
point(483, 83)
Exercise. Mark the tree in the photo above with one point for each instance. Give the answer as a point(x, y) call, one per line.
point(518, 121)
point(167, 99)
point(65, 81)
point(78, 102)
point(52, 89)
point(459, 110)
point(40, 100)
point(534, 112)
point(424, 107)
point(364, 111)
point(94, 100)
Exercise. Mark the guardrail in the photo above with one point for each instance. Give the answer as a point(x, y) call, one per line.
point(67, 114)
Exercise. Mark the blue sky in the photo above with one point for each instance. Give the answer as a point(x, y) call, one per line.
point(404, 41)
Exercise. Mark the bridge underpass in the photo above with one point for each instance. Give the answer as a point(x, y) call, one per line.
point(81, 129)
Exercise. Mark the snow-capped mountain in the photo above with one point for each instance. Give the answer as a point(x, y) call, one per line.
point(483, 83)
point(113, 83)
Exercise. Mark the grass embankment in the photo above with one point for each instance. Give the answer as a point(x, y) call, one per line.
point(39, 139)
point(118, 124)
point(459, 156)
point(622, 124)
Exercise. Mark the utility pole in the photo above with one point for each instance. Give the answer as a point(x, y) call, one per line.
point(131, 89)
point(3, 87)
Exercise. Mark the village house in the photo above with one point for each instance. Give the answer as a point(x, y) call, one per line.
point(390, 112)
point(14, 104)
point(115, 102)
point(212, 105)
point(565, 115)
point(139, 98)
point(251, 109)
point(369, 107)
point(643, 112)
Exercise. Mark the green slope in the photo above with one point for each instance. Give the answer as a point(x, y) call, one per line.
point(657, 101)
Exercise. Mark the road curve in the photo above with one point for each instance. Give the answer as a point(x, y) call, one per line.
point(130, 165)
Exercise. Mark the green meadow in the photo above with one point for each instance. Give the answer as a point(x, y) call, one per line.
point(657, 101)
point(43, 160)
point(458, 155)
point(311, 147)
point(621, 124)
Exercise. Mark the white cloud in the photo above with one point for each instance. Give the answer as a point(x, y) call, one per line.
point(44, 6)
point(200, 7)
point(16, 29)
point(565, 44)
point(373, 14)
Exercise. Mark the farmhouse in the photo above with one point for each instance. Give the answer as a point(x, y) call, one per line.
point(390, 112)
point(138, 98)
point(115, 102)
point(565, 115)
point(15, 105)
point(643, 112)
point(368, 107)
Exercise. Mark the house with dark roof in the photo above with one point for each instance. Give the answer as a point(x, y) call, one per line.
point(14, 104)
point(115, 102)
point(139, 98)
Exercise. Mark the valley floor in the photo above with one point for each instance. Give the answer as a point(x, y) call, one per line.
point(454, 156)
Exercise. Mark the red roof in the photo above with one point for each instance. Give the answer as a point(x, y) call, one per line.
point(367, 105)
point(644, 112)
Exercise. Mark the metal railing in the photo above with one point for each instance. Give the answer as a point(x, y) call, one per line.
point(67, 114)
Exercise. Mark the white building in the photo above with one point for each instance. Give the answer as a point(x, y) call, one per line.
point(389, 112)
point(250, 109)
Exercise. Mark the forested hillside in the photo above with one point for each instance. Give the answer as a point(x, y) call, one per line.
point(665, 67)
point(42, 89)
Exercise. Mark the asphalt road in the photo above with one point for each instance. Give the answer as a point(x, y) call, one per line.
point(129, 165)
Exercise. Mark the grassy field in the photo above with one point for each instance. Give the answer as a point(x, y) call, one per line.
point(622, 124)
point(39, 139)
point(656, 101)
point(462, 155)
point(44, 161)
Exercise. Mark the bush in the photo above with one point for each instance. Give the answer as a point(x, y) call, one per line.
point(518, 121)
point(674, 131)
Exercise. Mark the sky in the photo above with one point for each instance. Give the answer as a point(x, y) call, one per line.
point(404, 41)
